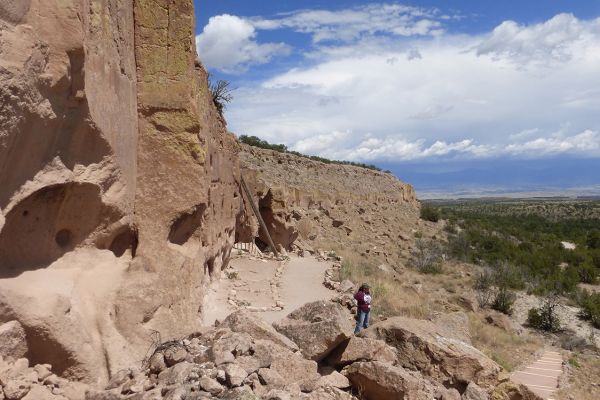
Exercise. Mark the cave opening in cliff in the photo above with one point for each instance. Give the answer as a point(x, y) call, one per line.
point(187, 225)
point(47, 224)
point(125, 240)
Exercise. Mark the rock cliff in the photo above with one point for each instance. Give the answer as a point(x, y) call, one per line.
point(315, 205)
point(118, 179)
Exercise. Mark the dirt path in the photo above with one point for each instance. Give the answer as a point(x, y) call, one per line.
point(271, 288)
point(542, 376)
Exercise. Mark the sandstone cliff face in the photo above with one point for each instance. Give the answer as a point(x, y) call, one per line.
point(314, 205)
point(118, 180)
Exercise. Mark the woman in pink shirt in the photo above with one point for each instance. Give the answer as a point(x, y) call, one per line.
point(363, 298)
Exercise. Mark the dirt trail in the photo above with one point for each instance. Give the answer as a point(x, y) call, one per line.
point(542, 376)
point(271, 288)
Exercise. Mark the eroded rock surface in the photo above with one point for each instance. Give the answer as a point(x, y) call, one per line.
point(427, 348)
point(118, 179)
point(317, 328)
point(312, 205)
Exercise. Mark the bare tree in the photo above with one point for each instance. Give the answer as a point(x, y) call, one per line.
point(427, 256)
point(221, 93)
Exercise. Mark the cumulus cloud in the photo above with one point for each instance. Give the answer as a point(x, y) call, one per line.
point(584, 142)
point(352, 23)
point(373, 97)
point(228, 43)
point(558, 39)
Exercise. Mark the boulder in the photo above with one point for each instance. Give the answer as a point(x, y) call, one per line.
point(499, 320)
point(235, 374)
point(333, 379)
point(317, 328)
point(513, 391)
point(296, 370)
point(474, 392)
point(13, 344)
point(361, 349)
point(42, 393)
point(245, 322)
point(454, 325)
point(424, 347)
point(381, 381)
point(450, 394)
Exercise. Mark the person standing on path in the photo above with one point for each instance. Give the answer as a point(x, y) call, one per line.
point(363, 298)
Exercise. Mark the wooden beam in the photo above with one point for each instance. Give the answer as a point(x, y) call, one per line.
point(258, 216)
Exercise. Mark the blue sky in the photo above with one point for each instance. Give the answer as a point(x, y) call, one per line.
point(450, 95)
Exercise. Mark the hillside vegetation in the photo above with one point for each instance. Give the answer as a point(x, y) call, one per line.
point(531, 242)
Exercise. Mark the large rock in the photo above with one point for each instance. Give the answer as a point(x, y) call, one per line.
point(513, 391)
point(361, 349)
point(381, 381)
point(474, 392)
point(113, 112)
point(13, 343)
point(245, 322)
point(422, 346)
point(317, 328)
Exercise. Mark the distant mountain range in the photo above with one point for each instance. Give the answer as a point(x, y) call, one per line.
point(504, 178)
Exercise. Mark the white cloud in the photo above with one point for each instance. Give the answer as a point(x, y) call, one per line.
point(584, 142)
point(466, 96)
point(228, 44)
point(558, 39)
point(352, 23)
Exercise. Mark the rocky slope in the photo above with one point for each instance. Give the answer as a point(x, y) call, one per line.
point(313, 205)
point(118, 180)
point(309, 355)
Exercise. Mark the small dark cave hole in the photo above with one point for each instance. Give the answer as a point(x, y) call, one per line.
point(126, 240)
point(64, 238)
point(262, 246)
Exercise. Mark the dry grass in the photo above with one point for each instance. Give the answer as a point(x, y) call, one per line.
point(507, 349)
point(305, 228)
point(390, 298)
point(584, 379)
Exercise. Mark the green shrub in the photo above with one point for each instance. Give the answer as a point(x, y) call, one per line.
point(504, 300)
point(545, 318)
point(459, 247)
point(429, 213)
point(484, 288)
point(593, 239)
point(590, 307)
point(587, 273)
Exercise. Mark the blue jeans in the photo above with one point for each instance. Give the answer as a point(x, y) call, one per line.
point(362, 320)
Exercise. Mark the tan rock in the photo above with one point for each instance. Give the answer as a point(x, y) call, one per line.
point(450, 394)
point(474, 392)
point(234, 374)
point(361, 349)
point(317, 328)
point(211, 385)
point(42, 393)
point(334, 379)
point(422, 346)
point(128, 123)
point(513, 391)
point(245, 322)
point(13, 344)
point(16, 389)
point(326, 202)
point(380, 381)
point(499, 320)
